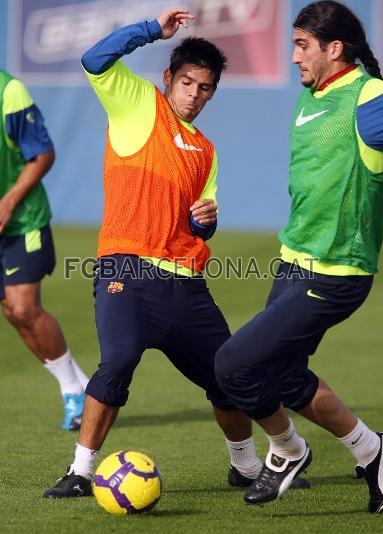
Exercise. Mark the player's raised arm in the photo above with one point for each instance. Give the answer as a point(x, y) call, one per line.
point(124, 41)
point(121, 91)
point(111, 48)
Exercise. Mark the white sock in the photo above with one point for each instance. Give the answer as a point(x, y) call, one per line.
point(288, 445)
point(62, 369)
point(363, 443)
point(84, 461)
point(244, 458)
point(81, 376)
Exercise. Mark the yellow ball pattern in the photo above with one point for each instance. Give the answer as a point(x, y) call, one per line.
point(127, 482)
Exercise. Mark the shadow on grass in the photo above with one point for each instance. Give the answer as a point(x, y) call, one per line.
point(339, 480)
point(184, 416)
point(325, 513)
point(210, 489)
point(173, 513)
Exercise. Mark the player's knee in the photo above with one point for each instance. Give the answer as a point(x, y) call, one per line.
point(7, 311)
point(226, 367)
point(22, 316)
point(117, 372)
point(108, 387)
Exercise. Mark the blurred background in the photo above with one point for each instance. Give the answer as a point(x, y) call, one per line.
point(41, 41)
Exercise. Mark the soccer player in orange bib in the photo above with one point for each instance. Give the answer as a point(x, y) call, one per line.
point(160, 188)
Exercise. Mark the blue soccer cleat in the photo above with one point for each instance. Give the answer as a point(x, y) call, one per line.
point(73, 407)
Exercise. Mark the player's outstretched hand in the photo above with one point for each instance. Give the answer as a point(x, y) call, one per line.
point(204, 211)
point(171, 20)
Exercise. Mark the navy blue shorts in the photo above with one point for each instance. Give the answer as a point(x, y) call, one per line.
point(157, 309)
point(266, 362)
point(26, 259)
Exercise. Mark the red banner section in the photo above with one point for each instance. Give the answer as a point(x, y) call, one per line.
point(252, 32)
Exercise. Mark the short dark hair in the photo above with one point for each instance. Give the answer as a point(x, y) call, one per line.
point(200, 53)
point(328, 21)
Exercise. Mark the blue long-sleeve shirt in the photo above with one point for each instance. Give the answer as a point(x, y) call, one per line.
point(123, 41)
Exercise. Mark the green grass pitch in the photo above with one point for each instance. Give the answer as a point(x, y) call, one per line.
point(170, 420)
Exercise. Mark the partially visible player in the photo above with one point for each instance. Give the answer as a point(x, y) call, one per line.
point(26, 244)
point(334, 233)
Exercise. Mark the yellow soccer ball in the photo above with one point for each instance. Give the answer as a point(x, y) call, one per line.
point(127, 482)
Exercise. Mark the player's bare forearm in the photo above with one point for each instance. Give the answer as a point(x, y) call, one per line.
point(33, 171)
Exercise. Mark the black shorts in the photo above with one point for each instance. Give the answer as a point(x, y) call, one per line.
point(27, 258)
point(137, 309)
point(266, 362)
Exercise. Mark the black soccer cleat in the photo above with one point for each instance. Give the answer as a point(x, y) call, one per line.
point(70, 485)
point(237, 480)
point(273, 481)
point(359, 471)
point(374, 477)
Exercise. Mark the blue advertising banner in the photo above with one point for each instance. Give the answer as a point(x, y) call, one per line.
point(48, 37)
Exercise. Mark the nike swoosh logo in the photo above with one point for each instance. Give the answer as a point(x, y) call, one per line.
point(301, 119)
point(179, 142)
point(9, 272)
point(310, 293)
point(358, 438)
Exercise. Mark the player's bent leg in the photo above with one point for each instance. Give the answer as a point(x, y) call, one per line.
point(106, 391)
point(38, 329)
point(42, 334)
point(199, 329)
point(328, 411)
point(235, 424)
point(288, 456)
point(271, 483)
point(98, 418)
point(245, 465)
point(97, 421)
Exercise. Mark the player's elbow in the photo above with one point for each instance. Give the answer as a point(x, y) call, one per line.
point(90, 62)
point(84, 62)
point(45, 161)
point(49, 158)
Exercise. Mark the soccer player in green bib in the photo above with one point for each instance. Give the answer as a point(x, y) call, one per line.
point(330, 249)
point(26, 244)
